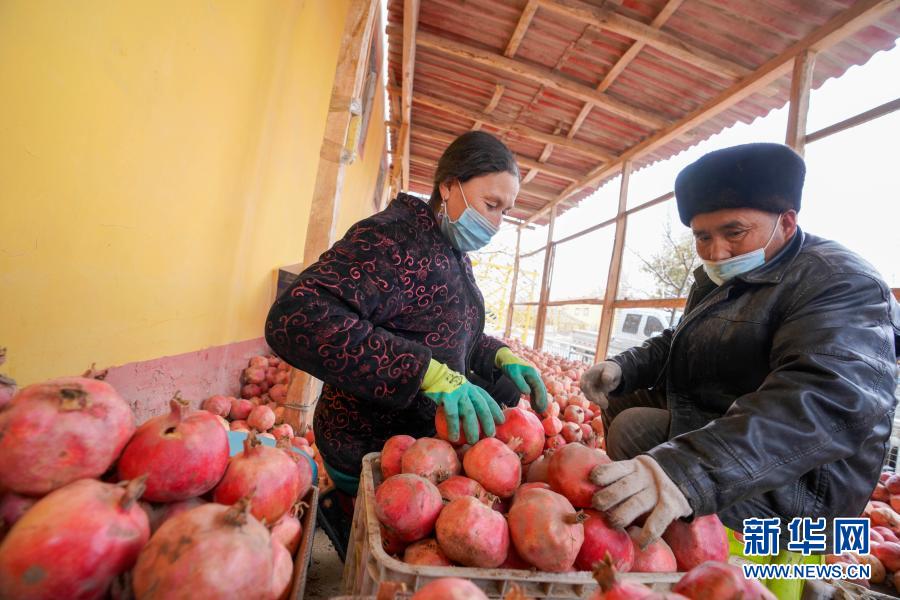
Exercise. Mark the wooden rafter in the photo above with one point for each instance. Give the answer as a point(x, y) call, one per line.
point(858, 16)
point(541, 76)
point(672, 45)
point(801, 80)
point(495, 100)
point(521, 28)
point(410, 26)
point(505, 125)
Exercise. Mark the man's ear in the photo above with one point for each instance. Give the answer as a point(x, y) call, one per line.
point(789, 223)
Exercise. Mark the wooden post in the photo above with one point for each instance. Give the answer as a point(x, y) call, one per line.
point(615, 268)
point(349, 76)
point(512, 289)
point(408, 61)
point(801, 79)
point(545, 284)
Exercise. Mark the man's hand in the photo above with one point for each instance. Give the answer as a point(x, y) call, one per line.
point(462, 401)
point(634, 487)
point(600, 380)
point(526, 377)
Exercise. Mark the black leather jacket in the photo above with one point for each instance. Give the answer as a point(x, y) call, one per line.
point(780, 387)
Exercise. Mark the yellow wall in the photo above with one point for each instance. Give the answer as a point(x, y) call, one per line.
point(157, 161)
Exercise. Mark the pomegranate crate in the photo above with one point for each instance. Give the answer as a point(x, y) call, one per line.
point(304, 550)
point(368, 564)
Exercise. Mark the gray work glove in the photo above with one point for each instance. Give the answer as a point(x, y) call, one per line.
point(634, 487)
point(600, 380)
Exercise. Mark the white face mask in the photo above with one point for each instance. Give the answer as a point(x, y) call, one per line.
point(721, 271)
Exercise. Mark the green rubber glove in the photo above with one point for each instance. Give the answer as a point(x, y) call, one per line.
point(462, 401)
point(525, 375)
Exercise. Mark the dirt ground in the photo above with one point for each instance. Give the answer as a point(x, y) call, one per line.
point(323, 580)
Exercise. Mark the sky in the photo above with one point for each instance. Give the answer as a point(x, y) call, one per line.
point(851, 195)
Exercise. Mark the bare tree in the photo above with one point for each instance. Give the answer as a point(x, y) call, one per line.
point(672, 266)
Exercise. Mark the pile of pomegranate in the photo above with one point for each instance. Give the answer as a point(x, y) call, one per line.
point(93, 506)
point(884, 535)
point(261, 406)
point(522, 501)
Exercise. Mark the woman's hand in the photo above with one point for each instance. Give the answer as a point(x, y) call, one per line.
point(526, 377)
point(462, 401)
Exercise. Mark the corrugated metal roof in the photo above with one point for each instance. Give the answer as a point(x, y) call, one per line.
point(741, 34)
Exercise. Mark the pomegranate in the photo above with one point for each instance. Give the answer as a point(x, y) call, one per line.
point(217, 405)
point(514, 561)
point(240, 409)
point(278, 393)
point(696, 542)
point(657, 557)
point(529, 486)
point(526, 427)
point(546, 530)
point(495, 466)
point(472, 534)
point(450, 588)
point(392, 453)
point(239, 425)
point(892, 484)
point(74, 541)
point(251, 390)
point(459, 486)
point(574, 414)
point(266, 473)
point(443, 431)
point(886, 533)
point(881, 493)
point(304, 469)
point(612, 588)
point(432, 459)
point(571, 433)
point(721, 581)
point(184, 454)
point(56, 432)
point(537, 471)
point(282, 570)
point(12, 507)
point(299, 442)
point(426, 552)
point(262, 418)
point(167, 511)
point(879, 573)
point(552, 425)
point(408, 506)
point(283, 431)
point(555, 443)
point(887, 552)
point(191, 556)
point(569, 470)
point(288, 530)
point(601, 540)
point(254, 374)
point(391, 542)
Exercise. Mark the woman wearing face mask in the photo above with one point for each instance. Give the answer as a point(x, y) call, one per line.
point(391, 319)
point(773, 397)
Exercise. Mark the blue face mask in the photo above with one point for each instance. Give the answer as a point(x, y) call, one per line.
point(721, 271)
point(470, 231)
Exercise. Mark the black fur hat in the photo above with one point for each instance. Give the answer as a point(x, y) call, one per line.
point(766, 177)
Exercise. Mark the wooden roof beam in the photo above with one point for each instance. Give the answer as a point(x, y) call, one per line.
point(860, 15)
point(535, 191)
point(410, 26)
point(521, 28)
point(505, 125)
point(605, 18)
point(541, 76)
point(492, 104)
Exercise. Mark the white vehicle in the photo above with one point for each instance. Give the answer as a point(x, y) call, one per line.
point(634, 325)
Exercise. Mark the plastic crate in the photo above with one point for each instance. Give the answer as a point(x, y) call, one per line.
point(367, 563)
point(304, 550)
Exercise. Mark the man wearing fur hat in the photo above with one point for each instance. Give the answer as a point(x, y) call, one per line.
point(773, 396)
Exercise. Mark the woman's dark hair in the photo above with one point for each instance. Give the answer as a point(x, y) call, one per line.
point(472, 154)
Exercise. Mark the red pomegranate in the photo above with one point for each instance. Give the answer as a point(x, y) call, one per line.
point(426, 552)
point(12, 507)
point(261, 418)
point(655, 558)
point(432, 459)
point(537, 471)
point(167, 511)
point(602, 540)
point(392, 454)
point(183, 453)
point(443, 431)
point(613, 588)
point(569, 469)
point(267, 474)
point(495, 465)
point(408, 506)
point(217, 405)
point(473, 534)
point(696, 542)
point(450, 588)
point(192, 556)
point(282, 570)
point(546, 530)
point(56, 432)
point(304, 469)
point(459, 486)
point(526, 427)
point(288, 530)
point(74, 541)
point(715, 580)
